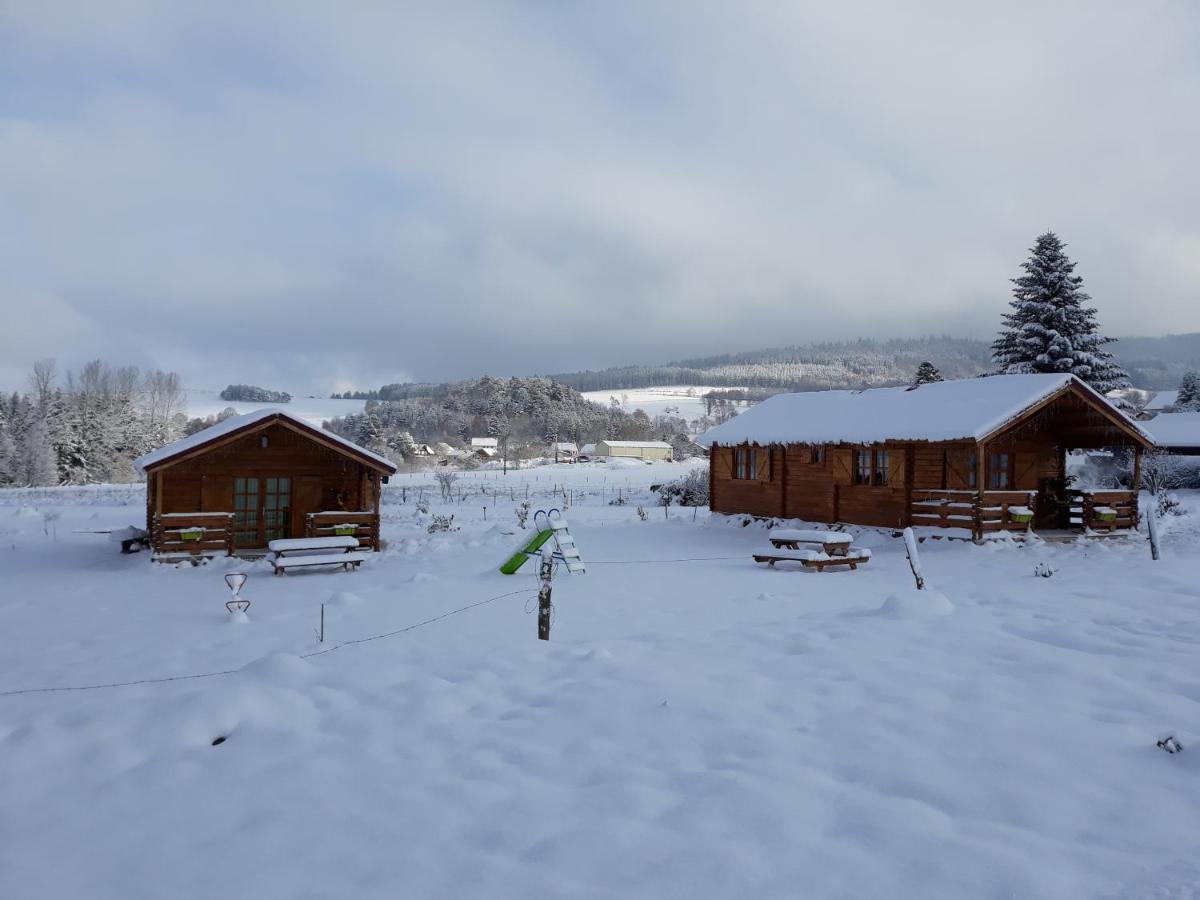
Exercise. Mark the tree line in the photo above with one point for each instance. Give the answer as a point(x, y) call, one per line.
point(87, 426)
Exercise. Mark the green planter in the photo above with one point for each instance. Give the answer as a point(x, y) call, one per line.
point(1022, 518)
point(1105, 515)
point(192, 534)
point(345, 530)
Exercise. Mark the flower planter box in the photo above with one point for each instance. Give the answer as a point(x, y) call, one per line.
point(192, 534)
point(345, 530)
point(1022, 515)
point(1104, 514)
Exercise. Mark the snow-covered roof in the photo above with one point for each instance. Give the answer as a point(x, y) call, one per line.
point(1162, 400)
point(967, 409)
point(239, 423)
point(484, 442)
point(1175, 429)
point(566, 447)
point(658, 445)
point(587, 448)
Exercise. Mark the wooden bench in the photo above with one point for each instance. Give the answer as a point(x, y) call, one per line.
point(832, 543)
point(815, 559)
point(300, 553)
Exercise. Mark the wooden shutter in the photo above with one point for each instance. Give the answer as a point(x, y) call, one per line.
point(763, 464)
point(896, 466)
point(216, 493)
point(843, 464)
point(958, 467)
point(1025, 475)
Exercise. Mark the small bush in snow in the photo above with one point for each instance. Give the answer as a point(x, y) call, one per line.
point(522, 512)
point(1043, 570)
point(690, 490)
point(1170, 744)
point(442, 523)
point(641, 511)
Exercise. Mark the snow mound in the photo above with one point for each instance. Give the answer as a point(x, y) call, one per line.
point(26, 512)
point(914, 604)
point(279, 667)
point(344, 598)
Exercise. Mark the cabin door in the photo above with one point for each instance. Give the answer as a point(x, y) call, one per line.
point(261, 510)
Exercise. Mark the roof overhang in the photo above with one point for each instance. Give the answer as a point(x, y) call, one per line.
point(344, 448)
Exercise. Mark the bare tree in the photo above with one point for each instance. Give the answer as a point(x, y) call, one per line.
point(41, 381)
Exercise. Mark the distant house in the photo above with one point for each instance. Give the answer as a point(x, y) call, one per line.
point(423, 450)
point(587, 450)
point(484, 442)
point(1176, 433)
point(485, 452)
point(256, 477)
point(981, 454)
point(648, 450)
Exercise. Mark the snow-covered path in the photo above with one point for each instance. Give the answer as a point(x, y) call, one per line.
point(693, 729)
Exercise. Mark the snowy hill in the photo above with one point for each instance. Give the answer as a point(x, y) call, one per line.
point(1152, 362)
point(203, 403)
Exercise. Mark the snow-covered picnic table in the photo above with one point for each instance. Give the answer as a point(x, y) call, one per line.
point(295, 553)
point(815, 559)
point(832, 542)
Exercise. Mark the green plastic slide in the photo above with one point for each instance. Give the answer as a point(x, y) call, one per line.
point(531, 546)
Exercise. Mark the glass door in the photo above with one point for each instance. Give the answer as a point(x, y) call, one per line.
point(262, 509)
point(277, 508)
point(245, 512)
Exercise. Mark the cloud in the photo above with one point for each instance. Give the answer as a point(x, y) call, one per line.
point(309, 195)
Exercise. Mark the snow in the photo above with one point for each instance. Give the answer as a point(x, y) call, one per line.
point(808, 535)
point(1162, 400)
point(971, 408)
point(314, 410)
point(655, 401)
point(1175, 429)
point(698, 726)
point(236, 423)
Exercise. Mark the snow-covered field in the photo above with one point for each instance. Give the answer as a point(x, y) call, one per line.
point(697, 727)
point(655, 401)
point(202, 403)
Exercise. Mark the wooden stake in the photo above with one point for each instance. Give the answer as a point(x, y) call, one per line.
point(322, 623)
point(1152, 525)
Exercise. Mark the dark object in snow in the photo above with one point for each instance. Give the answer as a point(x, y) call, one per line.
point(1170, 744)
point(218, 740)
point(1044, 570)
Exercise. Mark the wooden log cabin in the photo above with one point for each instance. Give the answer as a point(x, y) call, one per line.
point(250, 479)
point(981, 455)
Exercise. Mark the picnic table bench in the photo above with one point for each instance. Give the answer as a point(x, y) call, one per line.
point(817, 550)
point(297, 553)
point(815, 559)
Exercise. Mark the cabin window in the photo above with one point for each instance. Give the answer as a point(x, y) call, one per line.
point(745, 463)
point(817, 454)
point(871, 467)
point(973, 470)
point(749, 462)
point(879, 476)
point(277, 507)
point(1000, 471)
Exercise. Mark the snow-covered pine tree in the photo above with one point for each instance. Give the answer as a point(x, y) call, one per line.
point(1188, 398)
point(927, 373)
point(1050, 329)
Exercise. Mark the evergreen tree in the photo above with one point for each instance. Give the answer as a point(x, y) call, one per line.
point(927, 373)
point(1050, 329)
point(1188, 398)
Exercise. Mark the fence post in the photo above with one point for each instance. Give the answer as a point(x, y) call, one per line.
point(544, 606)
point(1152, 526)
point(914, 560)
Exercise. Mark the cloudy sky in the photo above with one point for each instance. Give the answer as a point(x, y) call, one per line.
point(320, 195)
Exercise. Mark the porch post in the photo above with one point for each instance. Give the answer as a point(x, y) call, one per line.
point(980, 481)
point(1136, 487)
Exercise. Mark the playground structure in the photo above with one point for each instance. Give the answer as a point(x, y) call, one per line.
point(549, 525)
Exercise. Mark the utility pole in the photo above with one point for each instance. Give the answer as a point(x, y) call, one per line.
point(544, 606)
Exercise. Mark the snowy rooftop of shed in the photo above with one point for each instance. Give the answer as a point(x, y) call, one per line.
point(235, 424)
point(967, 409)
point(1162, 400)
point(1176, 429)
point(660, 445)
